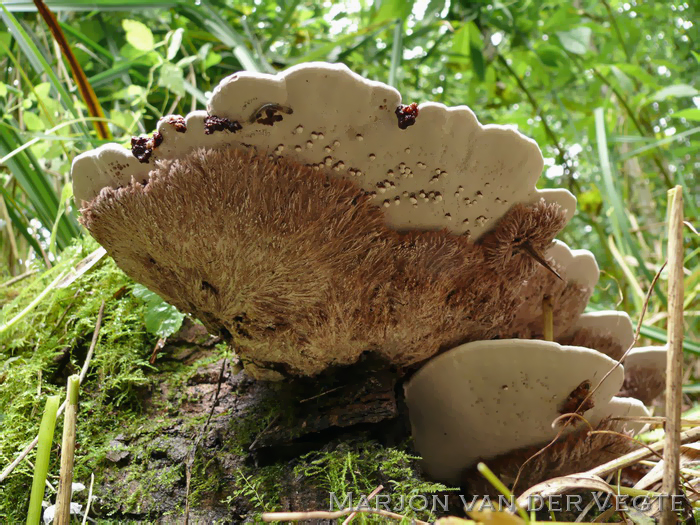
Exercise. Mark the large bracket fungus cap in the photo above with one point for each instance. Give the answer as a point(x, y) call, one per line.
point(439, 169)
point(486, 398)
point(310, 217)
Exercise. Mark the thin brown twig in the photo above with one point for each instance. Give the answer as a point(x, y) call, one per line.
point(636, 335)
point(637, 455)
point(18, 278)
point(81, 79)
point(371, 495)
point(674, 359)
point(83, 373)
point(641, 444)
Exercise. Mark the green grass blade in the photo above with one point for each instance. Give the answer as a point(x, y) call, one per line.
point(620, 223)
point(43, 455)
point(396, 53)
point(85, 40)
point(36, 184)
point(41, 66)
point(19, 221)
point(204, 15)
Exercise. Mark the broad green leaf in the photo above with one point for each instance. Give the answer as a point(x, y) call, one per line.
point(551, 55)
point(126, 120)
point(42, 90)
point(212, 59)
point(33, 122)
point(3, 90)
point(676, 91)
point(435, 7)
point(576, 40)
point(138, 35)
point(161, 319)
point(172, 77)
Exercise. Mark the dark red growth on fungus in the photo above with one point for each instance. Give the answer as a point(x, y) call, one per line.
point(177, 122)
point(299, 267)
point(271, 112)
point(142, 147)
point(212, 124)
point(407, 115)
point(577, 403)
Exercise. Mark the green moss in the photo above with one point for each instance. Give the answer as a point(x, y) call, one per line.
point(359, 467)
point(49, 343)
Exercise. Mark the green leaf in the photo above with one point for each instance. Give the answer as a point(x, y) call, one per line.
point(467, 42)
point(138, 35)
point(392, 10)
point(577, 40)
point(33, 122)
point(174, 41)
point(677, 91)
point(161, 319)
point(688, 114)
point(551, 55)
point(622, 79)
point(476, 44)
point(172, 77)
point(435, 7)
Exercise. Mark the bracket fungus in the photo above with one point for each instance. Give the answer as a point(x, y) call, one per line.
point(645, 373)
point(609, 332)
point(489, 399)
point(569, 295)
point(310, 217)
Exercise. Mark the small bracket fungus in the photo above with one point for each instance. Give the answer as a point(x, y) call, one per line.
point(569, 295)
point(578, 451)
point(297, 217)
point(487, 398)
point(645, 373)
point(609, 332)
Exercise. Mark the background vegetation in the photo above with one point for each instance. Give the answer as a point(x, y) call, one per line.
point(607, 88)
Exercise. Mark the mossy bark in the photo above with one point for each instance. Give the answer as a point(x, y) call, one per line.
point(245, 458)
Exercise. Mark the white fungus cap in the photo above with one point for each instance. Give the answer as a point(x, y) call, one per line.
point(648, 357)
point(444, 171)
point(486, 398)
point(629, 407)
point(607, 323)
point(579, 266)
